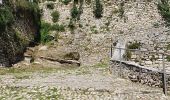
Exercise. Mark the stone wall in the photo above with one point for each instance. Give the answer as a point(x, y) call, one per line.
point(140, 74)
point(149, 59)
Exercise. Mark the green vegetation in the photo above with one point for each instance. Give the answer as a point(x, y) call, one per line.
point(46, 28)
point(121, 10)
point(153, 58)
point(51, 0)
point(57, 27)
point(38, 93)
point(74, 12)
point(164, 10)
point(66, 2)
point(127, 55)
point(50, 5)
point(135, 45)
point(98, 9)
point(168, 47)
point(55, 16)
point(6, 18)
point(71, 25)
point(168, 58)
point(25, 8)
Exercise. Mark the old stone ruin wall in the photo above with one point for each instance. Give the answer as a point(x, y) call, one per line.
point(137, 73)
point(149, 55)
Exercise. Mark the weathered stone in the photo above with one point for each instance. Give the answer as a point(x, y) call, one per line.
point(72, 56)
point(43, 48)
point(148, 62)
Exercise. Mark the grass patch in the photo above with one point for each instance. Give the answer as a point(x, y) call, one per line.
point(101, 65)
point(22, 76)
point(34, 93)
point(24, 71)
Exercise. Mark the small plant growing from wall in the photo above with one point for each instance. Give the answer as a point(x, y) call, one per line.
point(135, 45)
point(153, 58)
point(74, 12)
point(121, 10)
point(127, 55)
point(168, 58)
point(71, 25)
point(55, 16)
point(50, 5)
point(98, 9)
point(66, 2)
point(168, 47)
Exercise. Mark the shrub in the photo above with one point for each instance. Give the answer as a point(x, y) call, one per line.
point(45, 28)
point(134, 45)
point(31, 7)
point(163, 7)
point(50, 5)
point(6, 17)
point(76, 1)
point(127, 55)
point(121, 9)
point(168, 58)
point(98, 9)
point(66, 2)
point(74, 12)
point(51, 0)
point(55, 16)
point(57, 27)
point(168, 47)
point(71, 25)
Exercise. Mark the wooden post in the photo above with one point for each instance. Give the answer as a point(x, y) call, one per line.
point(164, 75)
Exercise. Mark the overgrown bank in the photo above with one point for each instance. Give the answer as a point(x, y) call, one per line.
point(19, 22)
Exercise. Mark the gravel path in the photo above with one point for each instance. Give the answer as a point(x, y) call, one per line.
point(79, 84)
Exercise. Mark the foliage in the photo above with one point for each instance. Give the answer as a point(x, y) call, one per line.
point(164, 10)
point(168, 58)
point(76, 1)
point(46, 28)
point(32, 8)
point(74, 12)
point(71, 25)
point(168, 47)
point(66, 2)
point(6, 17)
point(98, 9)
point(135, 45)
point(57, 27)
point(127, 55)
point(121, 9)
point(51, 0)
point(55, 16)
point(50, 5)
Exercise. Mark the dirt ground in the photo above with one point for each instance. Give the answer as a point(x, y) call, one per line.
point(78, 83)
